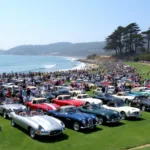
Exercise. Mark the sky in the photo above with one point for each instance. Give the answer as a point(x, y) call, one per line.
point(41, 22)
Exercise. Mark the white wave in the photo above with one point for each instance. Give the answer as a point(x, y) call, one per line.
point(79, 66)
point(49, 66)
point(70, 58)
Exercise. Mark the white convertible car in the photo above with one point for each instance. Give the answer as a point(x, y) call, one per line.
point(88, 99)
point(124, 96)
point(124, 110)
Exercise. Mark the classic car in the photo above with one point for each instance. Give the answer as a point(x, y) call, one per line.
point(41, 103)
point(9, 105)
point(141, 102)
point(87, 99)
point(104, 115)
point(64, 100)
point(72, 117)
point(125, 96)
point(105, 97)
point(36, 123)
point(141, 90)
point(61, 92)
point(125, 111)
point(75, 91)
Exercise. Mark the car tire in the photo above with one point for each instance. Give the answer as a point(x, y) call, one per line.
point(13, 124)
point(76, 126)
point(87, 103)
point(4, 114)
point(123, 115)
point(101, 120)
point(32, 133)
point(143, 108)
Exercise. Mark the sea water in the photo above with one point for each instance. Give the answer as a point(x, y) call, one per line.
point(17, 63)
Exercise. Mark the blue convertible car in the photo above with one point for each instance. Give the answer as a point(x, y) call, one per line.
point(73, 118)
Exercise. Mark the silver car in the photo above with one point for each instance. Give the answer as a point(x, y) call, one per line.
point(8, 105)
point(37, 123)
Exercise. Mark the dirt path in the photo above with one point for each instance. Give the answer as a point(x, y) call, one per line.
point(139, 147)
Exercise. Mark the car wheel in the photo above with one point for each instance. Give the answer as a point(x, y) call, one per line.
point(76, 126)
point(4, 114)
point(143, 108)
point(123, 115)
point(32, 133)
point(13, 124)
point(87, 103)
point(101, 120)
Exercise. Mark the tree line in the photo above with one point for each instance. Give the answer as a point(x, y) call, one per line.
point(129, 39)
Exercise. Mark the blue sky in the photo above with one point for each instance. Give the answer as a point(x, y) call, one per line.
point(48, 21)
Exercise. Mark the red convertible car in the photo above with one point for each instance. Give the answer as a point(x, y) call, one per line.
point(63, 100)
point(41, 103)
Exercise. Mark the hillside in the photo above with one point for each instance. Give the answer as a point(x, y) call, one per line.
point(61, 49)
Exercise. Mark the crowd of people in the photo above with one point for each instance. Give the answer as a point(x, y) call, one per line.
point(47, 81)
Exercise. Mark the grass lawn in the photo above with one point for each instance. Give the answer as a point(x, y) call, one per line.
point(129, 133)
point(142, 69)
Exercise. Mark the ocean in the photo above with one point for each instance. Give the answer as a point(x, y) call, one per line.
point(17, 63)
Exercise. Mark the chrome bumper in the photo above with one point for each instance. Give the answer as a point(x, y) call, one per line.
point(113, 120)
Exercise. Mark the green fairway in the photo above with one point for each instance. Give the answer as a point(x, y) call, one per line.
point(128, 134)
point(142, 69)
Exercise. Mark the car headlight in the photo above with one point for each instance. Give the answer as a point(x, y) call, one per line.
point(83, 121)
point(40, 128)
point(107, 116)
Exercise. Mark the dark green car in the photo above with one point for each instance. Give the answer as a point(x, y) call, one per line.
point(104, 115)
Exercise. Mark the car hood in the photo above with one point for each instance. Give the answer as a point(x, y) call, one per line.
point(94, 100)
point(49, 106)
point(127, 108)
point(80, 116)
point(14, 106)
point(108, 112)
point(74, 102)
point(46, 122)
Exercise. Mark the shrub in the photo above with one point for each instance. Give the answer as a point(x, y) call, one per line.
point(136, 59)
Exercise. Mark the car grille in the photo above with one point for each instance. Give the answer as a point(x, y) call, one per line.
point(136, 113)
point(55, 132)
point(90, 121)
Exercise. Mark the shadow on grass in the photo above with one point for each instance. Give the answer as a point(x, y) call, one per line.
point(52, 139)
point(46, 139)
point(115, 124)
point(135, 119)
point(88, 131)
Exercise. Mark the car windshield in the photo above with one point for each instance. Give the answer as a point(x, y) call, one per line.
point(85, 96)
point(71, 109)
point(42, 101)
point(31, 113)
point(67, 97)
point(10, 101)
point(95, 106)
point(120, 104)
